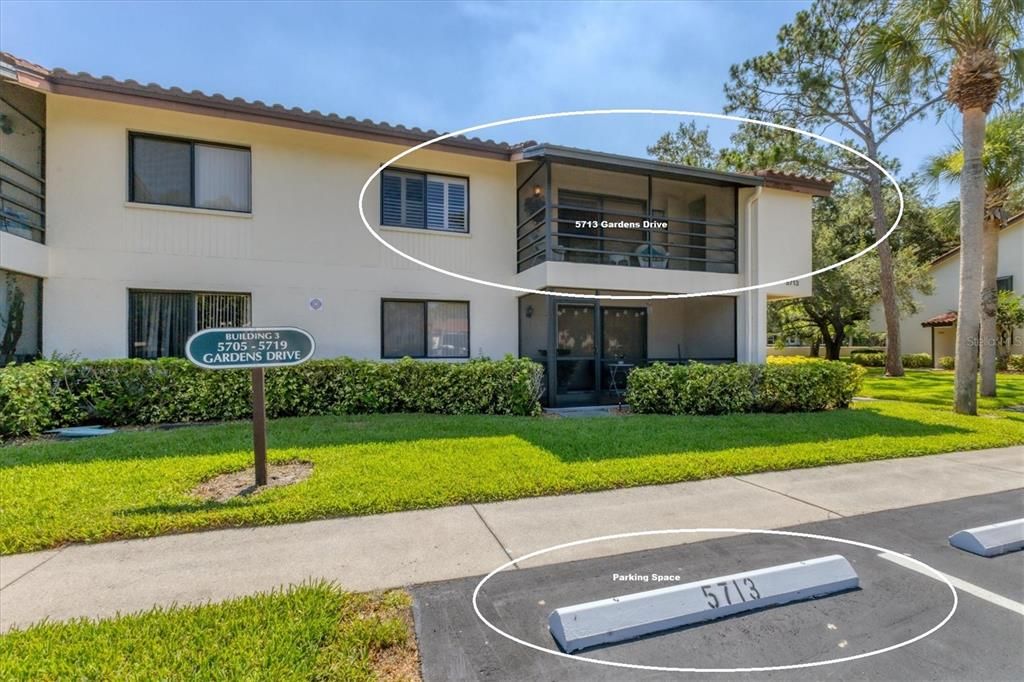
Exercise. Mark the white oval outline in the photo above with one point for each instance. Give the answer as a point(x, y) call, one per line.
point(199, 363)
point(736, 531)
point(598, 112)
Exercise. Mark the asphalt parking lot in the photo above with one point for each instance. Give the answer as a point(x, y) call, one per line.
point(981, 642)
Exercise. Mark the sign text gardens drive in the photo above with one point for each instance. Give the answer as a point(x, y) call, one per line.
point(236, 348)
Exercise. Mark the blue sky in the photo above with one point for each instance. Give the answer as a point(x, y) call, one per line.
point(434, 65)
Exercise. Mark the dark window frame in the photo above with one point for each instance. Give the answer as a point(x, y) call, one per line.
point(193, 292)
point(426, 328)
point(1007, 278)
point(425, 174)
point(192, 142)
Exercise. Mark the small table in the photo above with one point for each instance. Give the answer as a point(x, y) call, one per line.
point(614, 371)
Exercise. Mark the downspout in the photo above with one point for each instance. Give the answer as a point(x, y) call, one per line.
point(753, 308)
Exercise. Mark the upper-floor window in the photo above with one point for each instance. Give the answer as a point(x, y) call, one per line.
point(1005, 283)
point(176, 172)
point(434, 202)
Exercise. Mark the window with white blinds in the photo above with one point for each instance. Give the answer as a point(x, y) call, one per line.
point(422, 200)
point(176, 172)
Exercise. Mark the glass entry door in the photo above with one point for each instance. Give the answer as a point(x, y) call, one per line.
point(623, 346)
point(576, 353)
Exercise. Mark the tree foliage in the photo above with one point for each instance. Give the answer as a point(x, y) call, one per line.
point(688, 145)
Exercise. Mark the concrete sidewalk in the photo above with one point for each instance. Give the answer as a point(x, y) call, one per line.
point(390, 550)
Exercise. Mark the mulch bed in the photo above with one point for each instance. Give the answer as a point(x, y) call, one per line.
point(242, 483)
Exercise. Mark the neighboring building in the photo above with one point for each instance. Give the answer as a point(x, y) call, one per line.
point(134, 215)
point(933, 328)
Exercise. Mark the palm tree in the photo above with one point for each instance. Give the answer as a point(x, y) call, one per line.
point(975, 47)
point(1002, 157)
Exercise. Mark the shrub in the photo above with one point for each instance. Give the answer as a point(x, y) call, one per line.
point(45, 394)
point(947, 362)
point(1015, 363)
point(791, 359)
point(34, 397)
point(791, 385)
point(876, 359)
point(917, 360)
point(872, 359)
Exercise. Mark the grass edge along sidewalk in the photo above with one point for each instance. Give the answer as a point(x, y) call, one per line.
point(138, 484)
point(310, 631)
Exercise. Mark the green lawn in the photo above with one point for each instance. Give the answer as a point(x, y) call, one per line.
point(935, 387)
point(138, 483)
point(305, 633)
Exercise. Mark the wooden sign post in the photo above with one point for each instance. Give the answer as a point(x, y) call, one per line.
point(256, 348)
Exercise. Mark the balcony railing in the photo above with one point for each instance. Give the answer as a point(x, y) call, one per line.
point(585, 235)
point(22, 201)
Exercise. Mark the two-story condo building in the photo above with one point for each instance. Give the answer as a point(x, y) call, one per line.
point(134, 215)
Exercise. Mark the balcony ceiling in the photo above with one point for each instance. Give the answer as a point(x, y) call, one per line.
point(634, 165)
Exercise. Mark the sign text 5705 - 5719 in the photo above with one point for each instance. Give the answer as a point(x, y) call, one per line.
point(249, 347)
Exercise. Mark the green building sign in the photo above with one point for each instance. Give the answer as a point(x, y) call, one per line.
point(248, 347)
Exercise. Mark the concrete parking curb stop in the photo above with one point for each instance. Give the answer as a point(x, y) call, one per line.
point(991, 540)
point(626, 617)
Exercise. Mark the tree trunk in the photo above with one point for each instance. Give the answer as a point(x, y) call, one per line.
point(989, 306)
point(886, 280)
point(972, 216)
point(815, 348)
point(834, 346)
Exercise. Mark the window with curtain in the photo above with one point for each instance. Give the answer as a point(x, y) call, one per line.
point(193, 174)
point(433, 202)
point(160, 322)
point(424, 329)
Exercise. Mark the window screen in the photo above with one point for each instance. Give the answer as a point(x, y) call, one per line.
point(161, 171)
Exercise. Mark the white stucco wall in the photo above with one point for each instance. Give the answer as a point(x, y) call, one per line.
point(302, 239)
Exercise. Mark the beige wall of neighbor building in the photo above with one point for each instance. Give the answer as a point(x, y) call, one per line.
point(944, 298)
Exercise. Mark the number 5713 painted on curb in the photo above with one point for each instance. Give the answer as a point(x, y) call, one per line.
point(712, 594)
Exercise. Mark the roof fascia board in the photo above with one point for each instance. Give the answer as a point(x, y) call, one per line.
point(629, 164)
point(270, 117)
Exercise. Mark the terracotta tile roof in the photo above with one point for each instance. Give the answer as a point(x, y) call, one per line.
point(796, 182)
point(62, 81)
point(943, 320)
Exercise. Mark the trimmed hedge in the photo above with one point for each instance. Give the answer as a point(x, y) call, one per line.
point(912, 361)
point(803, 385)
point(946, 362)
point(1015, 363)
point(48, 394)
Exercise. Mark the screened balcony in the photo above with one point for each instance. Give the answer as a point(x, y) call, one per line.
point(22, 187)
point(589, 207)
